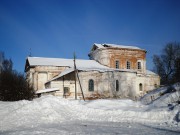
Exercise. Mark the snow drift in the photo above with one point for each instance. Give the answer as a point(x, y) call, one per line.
point(163, 96)
point(29, 116)
point(50, 109)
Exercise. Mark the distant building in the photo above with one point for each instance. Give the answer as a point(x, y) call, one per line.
point(113, 71)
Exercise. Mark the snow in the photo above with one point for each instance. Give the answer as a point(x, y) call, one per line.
point(88, 64)
point(69, 70)
point(148, 72)
point(66, 71)
point(56, 115)
point(83, 65)
point(116, 46)
point(163, 96)
point(47, 90)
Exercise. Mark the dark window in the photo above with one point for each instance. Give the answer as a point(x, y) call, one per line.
point(91, 85)
point(117, 85)
point(66, 90)
point(128, 65)
point(117, 64)
point(140, 87)
point(139, 65)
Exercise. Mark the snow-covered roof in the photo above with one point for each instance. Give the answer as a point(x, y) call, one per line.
point(82, 65)
point(148, 72)
point(65, 72)
point(105, 45)
point(41, 61)
point(47, 90)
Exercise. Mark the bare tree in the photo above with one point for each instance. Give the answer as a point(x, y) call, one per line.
point(13, 85)
point(7, 65)
point(1, 60)
point(167, 64)
point(177, 70)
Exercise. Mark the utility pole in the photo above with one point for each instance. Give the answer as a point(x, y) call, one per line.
point(63, 89)
point(75, 75)
point(80, 86)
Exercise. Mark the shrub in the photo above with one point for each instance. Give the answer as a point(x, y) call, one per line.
point(13, 87)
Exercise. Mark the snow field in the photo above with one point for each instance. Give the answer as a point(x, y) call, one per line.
point(52, 110)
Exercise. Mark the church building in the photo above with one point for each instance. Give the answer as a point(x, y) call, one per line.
point(113, 71)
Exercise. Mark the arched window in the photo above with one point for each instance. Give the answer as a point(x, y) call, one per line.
point(91, 85)
point(117, 85)
point(128, 65)
point(140, 87)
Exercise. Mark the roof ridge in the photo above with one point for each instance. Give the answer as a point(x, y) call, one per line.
point(103, 45)
point(58, 58)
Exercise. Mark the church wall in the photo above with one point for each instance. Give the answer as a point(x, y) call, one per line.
point(39, 75)
point(149, 82)
point(105, 84)
point(68, 83)
point(101, 56)
point(108, 56)
point(152, 82)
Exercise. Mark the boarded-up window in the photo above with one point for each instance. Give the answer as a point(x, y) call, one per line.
point(117, 64)
point(91, 85)
point(139, 65)
point(117, 85)
point(128, 65)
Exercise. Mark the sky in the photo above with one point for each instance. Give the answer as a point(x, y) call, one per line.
point(58, 28)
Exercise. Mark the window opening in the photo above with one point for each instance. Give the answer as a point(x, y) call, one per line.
point(139, 65)
point(117, 85)
point(128, 65)
point(117, 64)
point(140, 87)
point(91, 85)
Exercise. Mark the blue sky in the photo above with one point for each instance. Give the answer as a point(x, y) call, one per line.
point(57, 28)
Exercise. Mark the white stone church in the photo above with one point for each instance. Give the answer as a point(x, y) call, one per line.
point(112, 71)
